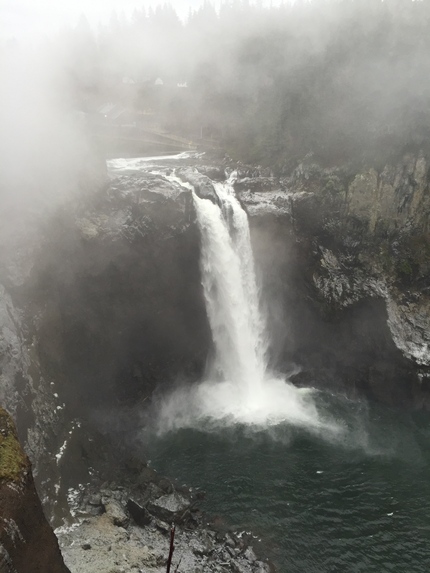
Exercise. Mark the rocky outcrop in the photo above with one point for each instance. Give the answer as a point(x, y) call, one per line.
point(27, 542)
point(374, 240)
point(29, 394)
point(200, 183)
point(361, 237)
point(99, 306)
point(111, 536)
point(117, 289)
point(28, 389)
point(396, 199)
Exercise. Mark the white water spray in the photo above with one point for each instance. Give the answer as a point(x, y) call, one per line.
point(241, 390)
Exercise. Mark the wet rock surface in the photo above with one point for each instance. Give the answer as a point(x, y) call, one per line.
point(119, 540)
point(27, 394)
point(96, 545)
point(202, 184)
point(357, 238)
point(171, 508)
point(27, 542)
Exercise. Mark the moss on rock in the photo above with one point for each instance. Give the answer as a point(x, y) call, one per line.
point(27, 542)
point(13, 461)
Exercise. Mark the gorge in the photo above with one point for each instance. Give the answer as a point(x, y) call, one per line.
point(105, 315)
point(214, 286)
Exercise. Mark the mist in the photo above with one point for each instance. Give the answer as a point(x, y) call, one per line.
point(342, 80)
point(214, 251)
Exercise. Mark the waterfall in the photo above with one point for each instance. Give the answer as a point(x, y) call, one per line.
point(230, 289)
point(241, 389)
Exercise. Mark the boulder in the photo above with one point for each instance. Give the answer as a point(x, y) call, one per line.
point(202, 185)
point(170, 508)
point(115, 511)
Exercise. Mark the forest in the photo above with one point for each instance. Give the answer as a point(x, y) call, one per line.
point(343, 80)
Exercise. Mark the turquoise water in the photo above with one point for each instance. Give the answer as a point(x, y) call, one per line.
point(360, 504)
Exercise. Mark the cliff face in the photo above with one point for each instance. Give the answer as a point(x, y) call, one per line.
point(100, 306)
point(28, 390)
point(27, 542)
point(362, 244)
point(118, 295)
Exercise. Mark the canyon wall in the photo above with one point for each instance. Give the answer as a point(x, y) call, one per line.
point(101, 304)
point(27, 542)
point(359, 250)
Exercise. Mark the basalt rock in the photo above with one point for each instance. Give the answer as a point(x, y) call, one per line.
point(358, 243)
point(31, 397)
point(138, 513)
point(170, 508)
point(27, 542)
point(201, 183)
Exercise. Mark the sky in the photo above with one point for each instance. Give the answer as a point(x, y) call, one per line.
point(31, 18)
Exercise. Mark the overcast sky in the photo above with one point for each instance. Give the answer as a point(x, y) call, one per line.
point(31, 18)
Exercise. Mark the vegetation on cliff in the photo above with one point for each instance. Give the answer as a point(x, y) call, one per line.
point(12, 458)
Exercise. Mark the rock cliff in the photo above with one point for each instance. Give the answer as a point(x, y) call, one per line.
point(361, 238)
point(27, 542)
point(99, 306)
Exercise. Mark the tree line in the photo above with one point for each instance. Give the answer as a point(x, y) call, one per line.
point(345, 80)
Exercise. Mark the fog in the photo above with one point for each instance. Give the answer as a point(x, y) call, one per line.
point(141, 302)
point(28, 18)
point(345, 82)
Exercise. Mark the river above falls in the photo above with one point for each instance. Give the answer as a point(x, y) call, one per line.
point(317, 506)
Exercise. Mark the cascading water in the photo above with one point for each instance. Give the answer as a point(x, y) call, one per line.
point(241, 388)
point(231, 291)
